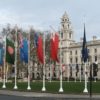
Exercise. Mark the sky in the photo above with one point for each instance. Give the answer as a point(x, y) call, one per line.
point(41, 14)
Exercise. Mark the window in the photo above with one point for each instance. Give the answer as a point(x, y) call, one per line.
point(70, 35)
point(76, 52)
point(61, 34)
point(70, 52)
point(95, 50)
point(65, 19)
point(63, 25)
point(68, 25)
point(95, 58)
point(70, 60)
point(76, 59)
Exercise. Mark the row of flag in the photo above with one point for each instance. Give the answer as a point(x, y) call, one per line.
point(23, 46)
point(38, 44)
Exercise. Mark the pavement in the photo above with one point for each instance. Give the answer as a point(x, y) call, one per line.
point(49, 95)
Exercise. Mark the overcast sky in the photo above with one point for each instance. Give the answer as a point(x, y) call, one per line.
point(43, 13)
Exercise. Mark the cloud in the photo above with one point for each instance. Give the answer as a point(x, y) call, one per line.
point(43, 13)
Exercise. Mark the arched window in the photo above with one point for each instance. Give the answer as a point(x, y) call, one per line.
point(71, 60)
point(76, 52)
point(95, 50)
point(70, 52)
point(70, 35)
point(61, 34)
point(95, 58)
point(76, 59)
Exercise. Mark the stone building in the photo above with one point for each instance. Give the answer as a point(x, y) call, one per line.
point(71, 50)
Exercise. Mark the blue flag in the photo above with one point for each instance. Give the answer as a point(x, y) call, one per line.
point(1, 54)
point(21, 54)
point(24, 51)
point(84, 48)
point(35, 40)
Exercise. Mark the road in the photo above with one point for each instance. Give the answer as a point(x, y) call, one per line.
point(17, 95)
point(10, 97)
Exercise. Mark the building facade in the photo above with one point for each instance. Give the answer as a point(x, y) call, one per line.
point(71, 50)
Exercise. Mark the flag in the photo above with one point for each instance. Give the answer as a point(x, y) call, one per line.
point(56, 46)
point(24, 51)
point(84, 48)
point(54, 43)
point(1, 54)
point(10, 51)
point(35, 40)
point(52, 47)
point(40, 50)
point(20, 39)
point(21, 54)
point(38, 44)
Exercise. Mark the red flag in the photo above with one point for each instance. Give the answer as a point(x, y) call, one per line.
point(56, 46)
point(54, 43)
point(52, 48)
point(40, 50)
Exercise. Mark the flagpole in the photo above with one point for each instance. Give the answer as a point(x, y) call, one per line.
point(43, 88)
point(68, 72)
point(50, 70)
point(75, 74)
point(80, 74)
point(29, 88)
point(15, 85)
point(85, 88)
point(6, 72)
point(61, 88)
point(4, 85)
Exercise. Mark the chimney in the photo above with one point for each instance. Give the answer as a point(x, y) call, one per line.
point(94, 38)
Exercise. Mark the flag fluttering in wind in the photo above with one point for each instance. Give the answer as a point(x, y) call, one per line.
point(10, 51)
point(40, 50)
point(24, 51)
point(38, 42)
point(1, 54)
point(54, 43)
point(84, 48)
point(35, 40)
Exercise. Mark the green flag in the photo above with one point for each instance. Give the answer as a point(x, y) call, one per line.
point(10, 51)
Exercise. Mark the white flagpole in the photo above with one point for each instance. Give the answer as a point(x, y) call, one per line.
point(4, 85)
point(29, 88)
point(75, 73)
point(50, 70)
point(6, 72)
point(85, 88)
point(61, 88)
point(43, 88)
point(15, 86)
point(68, 73)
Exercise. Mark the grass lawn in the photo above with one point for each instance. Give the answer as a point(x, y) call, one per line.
point(53, 87)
